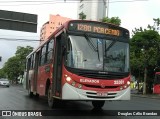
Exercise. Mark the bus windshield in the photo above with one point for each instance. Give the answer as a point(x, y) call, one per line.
point(84, 52)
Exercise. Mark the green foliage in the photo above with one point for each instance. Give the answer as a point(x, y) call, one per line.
point(113, 20)
point(144, 51)
point(21, 54)
point(11, 68)
point(82, 16)
point(15, 65)
point(2, 73)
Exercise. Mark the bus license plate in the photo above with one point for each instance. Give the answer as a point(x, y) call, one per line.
point(101, 93)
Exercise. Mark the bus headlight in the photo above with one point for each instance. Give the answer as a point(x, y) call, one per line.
point(68, 79)
point(72, 82)
point(128, 82)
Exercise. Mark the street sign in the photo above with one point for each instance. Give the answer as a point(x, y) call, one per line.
point(18, 21)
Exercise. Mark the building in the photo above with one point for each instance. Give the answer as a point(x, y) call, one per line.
point(93, 9)
point(50, 26)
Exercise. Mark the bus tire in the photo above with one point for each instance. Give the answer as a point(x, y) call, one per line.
point(29, 91)
point(51, 100)
point(98, 104)
point(37, 96)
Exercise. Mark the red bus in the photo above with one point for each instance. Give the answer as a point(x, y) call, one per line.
point(156, 83)
point(81, 60)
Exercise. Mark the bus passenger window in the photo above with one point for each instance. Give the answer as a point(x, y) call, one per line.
point(50, 50)
point(28, 64)
point(43, 55)
point(32, 61)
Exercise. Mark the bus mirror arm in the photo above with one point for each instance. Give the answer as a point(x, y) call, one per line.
point(64, 51)
point(63, 40)
point(63, 43)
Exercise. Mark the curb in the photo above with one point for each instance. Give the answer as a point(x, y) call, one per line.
point(146, 96)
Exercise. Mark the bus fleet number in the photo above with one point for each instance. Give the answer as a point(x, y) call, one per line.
point(118, 82)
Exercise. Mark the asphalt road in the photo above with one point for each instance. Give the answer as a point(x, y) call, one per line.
point(16, 98)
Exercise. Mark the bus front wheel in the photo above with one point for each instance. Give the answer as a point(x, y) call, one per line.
point(51, 100)
point(98, 104)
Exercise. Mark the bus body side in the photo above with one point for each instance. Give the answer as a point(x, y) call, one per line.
point(44, 78)
point(156, 89)
point(156, 85)
point(39, 69)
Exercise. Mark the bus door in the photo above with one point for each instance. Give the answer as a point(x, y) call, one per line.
point(57, 72)
point(26, 73)
point(36, 70)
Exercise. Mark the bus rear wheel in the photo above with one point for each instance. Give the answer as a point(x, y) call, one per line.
point(29, 91)
point(98, 104)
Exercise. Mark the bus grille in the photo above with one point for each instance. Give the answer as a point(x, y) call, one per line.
point(98, 74)
point(100, 97)
point(106, 87)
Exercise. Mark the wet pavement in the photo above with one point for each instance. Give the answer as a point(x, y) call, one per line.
point(16, 98)
point(135, 93)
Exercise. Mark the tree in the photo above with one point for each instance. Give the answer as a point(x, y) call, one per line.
point(144, 52)
point(15, 65)
point(11, 68)
point(21, 53)
point(2, 73)
point(82, 16)
point(113, 20)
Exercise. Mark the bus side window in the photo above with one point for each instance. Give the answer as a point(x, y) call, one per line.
point(50, 50)
point(32, 61)
point(28, 64)
point(43, 55)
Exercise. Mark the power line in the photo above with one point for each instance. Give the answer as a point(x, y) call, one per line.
point(55, 2)
point(71, 1)
point(128, 1)
point(18, 36)
point(16, 39)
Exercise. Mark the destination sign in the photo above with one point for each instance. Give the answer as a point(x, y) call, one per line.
point(100, 28)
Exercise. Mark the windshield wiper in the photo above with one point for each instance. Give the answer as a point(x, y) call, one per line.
point(107, 48)
point(110, 45)
point(92, 45)
point(90, 42)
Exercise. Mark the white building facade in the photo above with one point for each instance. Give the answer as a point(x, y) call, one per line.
point(93, 9)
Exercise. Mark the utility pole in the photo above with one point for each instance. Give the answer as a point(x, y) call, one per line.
point(106, 8)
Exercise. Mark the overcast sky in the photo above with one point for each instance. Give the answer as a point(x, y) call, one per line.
point(132, 14)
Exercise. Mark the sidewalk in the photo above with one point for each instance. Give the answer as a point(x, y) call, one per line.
point(139, 94)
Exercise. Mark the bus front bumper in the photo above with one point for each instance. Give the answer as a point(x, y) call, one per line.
point(71, 93)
